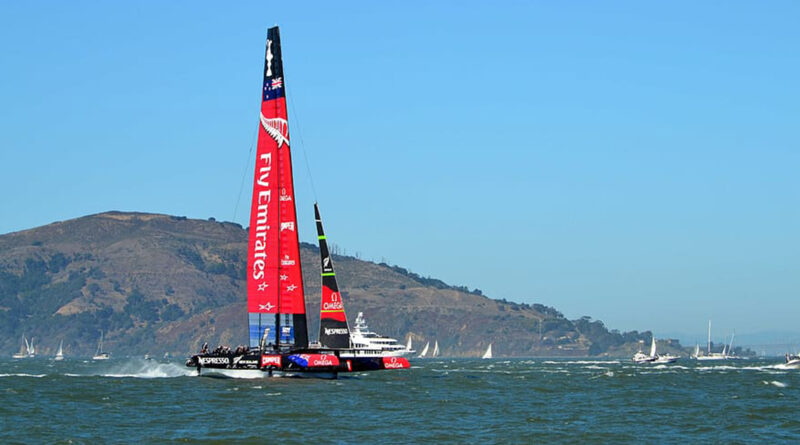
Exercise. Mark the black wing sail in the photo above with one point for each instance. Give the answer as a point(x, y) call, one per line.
point(333, 329)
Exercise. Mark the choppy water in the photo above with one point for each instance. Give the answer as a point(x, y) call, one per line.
point(494, 401)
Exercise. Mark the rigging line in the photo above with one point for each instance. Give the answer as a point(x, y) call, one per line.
point(302, 144)
point(244, 175)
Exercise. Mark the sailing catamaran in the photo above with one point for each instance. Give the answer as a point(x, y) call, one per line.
point(278, 330)
point(100, 354)
point(435, 349)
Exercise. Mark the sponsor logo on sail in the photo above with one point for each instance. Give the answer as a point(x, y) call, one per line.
point(287, 226)
point(333, 306)
point(336, 331)
point(259, 240)
point(287, 261)
point(277, 128)
point(269, 58)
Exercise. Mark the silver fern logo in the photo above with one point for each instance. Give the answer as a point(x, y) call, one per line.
point(277, 128)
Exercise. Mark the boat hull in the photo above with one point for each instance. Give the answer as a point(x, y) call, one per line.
point(325, 364)
point(224, 373)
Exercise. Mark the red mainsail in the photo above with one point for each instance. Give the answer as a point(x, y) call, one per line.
point(275, 301)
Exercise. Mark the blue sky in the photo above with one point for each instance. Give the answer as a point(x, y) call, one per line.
point(634, 162)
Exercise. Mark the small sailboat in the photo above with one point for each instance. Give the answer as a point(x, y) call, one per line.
point(60, 353)
point(696, 351)
point(409, 350)
point(24, 349)
point(31, 349)
point(660, 359)
point(425, 350)
point(100, 354)
point(640, 357)
point(488, 353)
point(435, 349)
point(711, 355)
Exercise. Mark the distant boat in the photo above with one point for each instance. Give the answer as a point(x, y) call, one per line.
point(100, 354)
point(24, 349)
point(365, 340)
point(60, 353)
point(711, 355)
point(31, 349)
point(792, 361)
point(425, 350)
point(488, 353)
point(663, 358)
point(641, 357)
point(435, 349)
point(409, 349)
point(696, 351)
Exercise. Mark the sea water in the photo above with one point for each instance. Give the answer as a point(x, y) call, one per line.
point(437, 400)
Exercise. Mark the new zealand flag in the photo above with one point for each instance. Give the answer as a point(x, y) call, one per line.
point(273, 66)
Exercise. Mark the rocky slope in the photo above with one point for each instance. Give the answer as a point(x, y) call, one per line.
point(159, 283)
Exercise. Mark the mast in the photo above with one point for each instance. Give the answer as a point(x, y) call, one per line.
point(275, 298)
point(709, 337)
point(730, 346)
point(333, 329)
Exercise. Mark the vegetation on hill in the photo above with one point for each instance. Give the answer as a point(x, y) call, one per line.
point(158, 283)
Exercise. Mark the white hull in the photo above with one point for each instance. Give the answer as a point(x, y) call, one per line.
point(19, 355)
point(364, 339)
point(708, 358)
point(792, 364)
point(58, 358)
point(369, 353)
point(101, 357)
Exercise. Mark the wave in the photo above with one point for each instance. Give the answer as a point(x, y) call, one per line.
point(19, 374)
point(148, 370)
point(582, 362)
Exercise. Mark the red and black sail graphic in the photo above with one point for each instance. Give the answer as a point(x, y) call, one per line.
point(333, 330)
point(275, 301)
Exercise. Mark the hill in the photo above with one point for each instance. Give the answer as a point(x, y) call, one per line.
point(158, 283)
